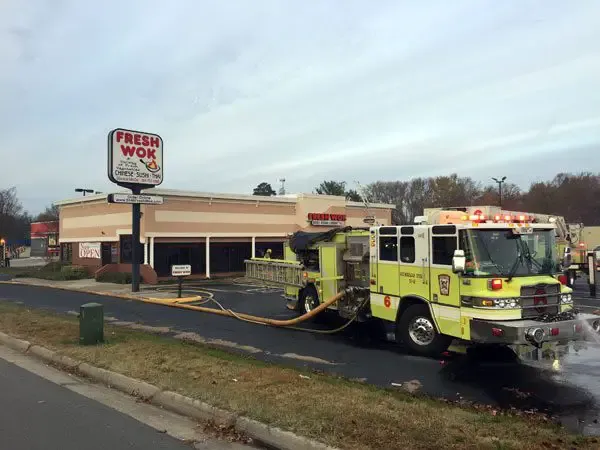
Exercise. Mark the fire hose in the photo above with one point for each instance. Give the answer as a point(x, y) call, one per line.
point(289, 323)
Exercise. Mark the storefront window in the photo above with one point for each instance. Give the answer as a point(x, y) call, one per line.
point(127, 250)
point(52, 240)
point(66, 253)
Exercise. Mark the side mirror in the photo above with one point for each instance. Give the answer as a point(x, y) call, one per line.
point(459, 261)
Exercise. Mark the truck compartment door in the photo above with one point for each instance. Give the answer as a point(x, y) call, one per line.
point(329, 255)
point(388, 268)
point(445, 285)
point(414, 261)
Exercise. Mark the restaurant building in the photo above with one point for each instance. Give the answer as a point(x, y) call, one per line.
point(44, 239)
point(214, 233)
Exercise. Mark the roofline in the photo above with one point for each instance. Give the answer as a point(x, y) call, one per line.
point(293, 199)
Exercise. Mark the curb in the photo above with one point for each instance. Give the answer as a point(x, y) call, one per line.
point(259, 432)
point(157, 300)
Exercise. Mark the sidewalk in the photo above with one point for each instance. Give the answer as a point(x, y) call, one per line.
point(91, 286)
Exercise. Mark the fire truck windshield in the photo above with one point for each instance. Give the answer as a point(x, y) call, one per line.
point(502, 253)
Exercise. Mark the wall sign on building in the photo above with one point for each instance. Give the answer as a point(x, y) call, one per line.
point(326, 219)
point(89, 250)
point(135, 158)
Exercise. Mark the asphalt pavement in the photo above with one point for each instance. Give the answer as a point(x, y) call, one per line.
point(39, 414)
point(566, 388)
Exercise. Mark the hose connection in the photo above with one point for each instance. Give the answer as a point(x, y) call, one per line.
point(535, 336)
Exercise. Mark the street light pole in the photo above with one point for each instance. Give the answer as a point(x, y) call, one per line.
point(499, 181)
point(84, 191)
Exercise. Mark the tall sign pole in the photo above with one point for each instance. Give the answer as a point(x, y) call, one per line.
point(135, 162)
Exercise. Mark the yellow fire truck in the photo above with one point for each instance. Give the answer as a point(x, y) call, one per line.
point(450, 275)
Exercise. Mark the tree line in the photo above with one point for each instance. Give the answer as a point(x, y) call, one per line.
point(576, 196)
point(15, 221)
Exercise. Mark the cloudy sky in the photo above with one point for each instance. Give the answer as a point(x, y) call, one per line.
point(249, 91)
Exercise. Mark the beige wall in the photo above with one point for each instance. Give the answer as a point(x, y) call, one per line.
point(98, 220)
point(187, 217)
point(180, 215)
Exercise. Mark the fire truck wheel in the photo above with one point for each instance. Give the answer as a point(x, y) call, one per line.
point(309, 299)
point(416, 330)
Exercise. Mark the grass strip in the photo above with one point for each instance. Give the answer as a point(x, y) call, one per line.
point(342, 413)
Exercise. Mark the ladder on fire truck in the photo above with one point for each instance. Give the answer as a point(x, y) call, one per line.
point(278, 272)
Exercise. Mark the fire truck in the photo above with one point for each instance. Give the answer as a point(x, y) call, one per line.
point(451, 276)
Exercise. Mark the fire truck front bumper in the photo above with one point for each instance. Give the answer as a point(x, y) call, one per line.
point(533, 332)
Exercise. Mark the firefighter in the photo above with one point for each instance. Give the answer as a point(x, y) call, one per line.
point(268, 254)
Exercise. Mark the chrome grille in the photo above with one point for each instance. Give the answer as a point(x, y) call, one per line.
point(540, 299)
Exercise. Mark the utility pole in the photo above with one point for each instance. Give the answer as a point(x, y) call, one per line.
point(282, 188)
point(499, 181)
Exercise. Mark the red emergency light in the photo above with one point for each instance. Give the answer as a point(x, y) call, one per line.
point(495, 284)
point(521, 218)
point(478, 216)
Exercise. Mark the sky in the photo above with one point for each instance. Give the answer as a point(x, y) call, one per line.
point(249, 91)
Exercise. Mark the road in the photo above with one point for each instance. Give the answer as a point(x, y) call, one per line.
point(37, 413)
point(564, 389)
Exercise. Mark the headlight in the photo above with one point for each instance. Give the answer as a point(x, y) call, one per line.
point(491, 303)
point(566, 299)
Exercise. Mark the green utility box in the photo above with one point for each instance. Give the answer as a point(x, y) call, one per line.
point(91, 324)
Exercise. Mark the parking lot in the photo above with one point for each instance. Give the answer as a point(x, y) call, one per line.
point(564, 384)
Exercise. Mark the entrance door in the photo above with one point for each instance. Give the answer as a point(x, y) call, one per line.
point(106, 253)
point(414, 261)
point(445, 285)
point(388, 282)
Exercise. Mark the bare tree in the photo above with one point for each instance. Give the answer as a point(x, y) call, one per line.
point(390, 192)
point(50, 214)
point(512, 197)
point(453, 191)
point(574, 196)
point(9, 203)
point(11, 213)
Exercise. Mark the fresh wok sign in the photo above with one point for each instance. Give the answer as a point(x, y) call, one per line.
point(135, 158)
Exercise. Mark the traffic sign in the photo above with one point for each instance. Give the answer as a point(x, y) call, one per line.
point(181, 270)
point(135, 198)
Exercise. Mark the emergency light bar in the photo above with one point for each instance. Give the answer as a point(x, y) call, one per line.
point(498, 218)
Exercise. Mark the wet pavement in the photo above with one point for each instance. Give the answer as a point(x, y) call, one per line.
point(563, 382)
